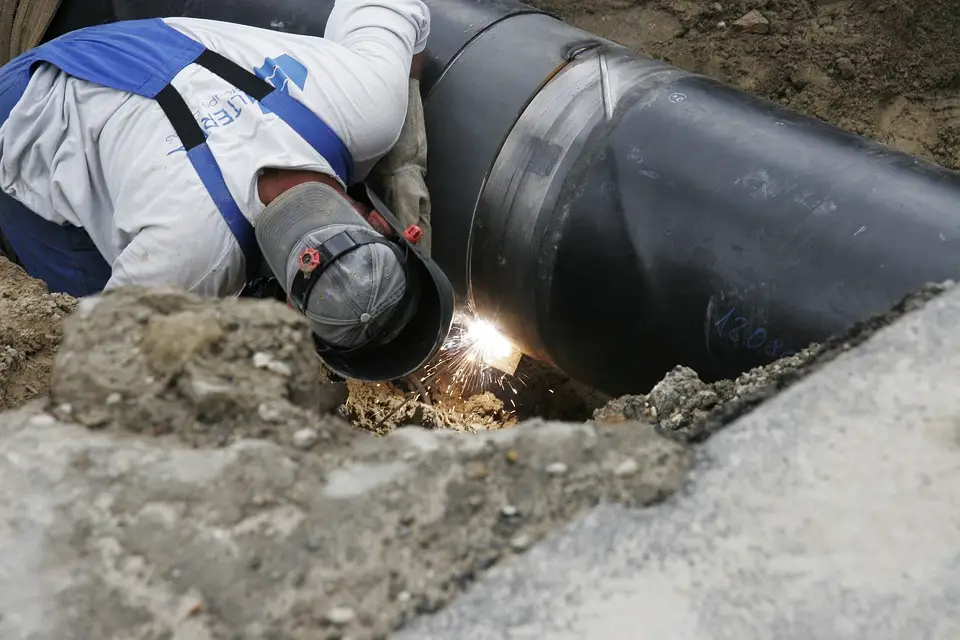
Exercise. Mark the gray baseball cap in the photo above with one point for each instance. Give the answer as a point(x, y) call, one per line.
point(356, 296)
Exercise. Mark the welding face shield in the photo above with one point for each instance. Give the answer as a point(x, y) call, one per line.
point(379, 309)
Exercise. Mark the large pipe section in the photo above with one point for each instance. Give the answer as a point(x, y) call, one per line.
point(619, 216)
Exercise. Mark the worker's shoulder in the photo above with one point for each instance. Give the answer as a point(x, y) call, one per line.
point(216, 34)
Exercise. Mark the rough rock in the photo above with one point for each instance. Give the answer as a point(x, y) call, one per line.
point(753, 22)
point(138, 537)
point(846, 68)
point(689, 408)
point(163, 361)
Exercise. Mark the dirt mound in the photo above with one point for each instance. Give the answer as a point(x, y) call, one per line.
point(886, 69)
point(683, 405)
point(30, 319)
point(163, 361)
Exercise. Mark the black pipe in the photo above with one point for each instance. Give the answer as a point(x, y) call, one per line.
point(619, 216)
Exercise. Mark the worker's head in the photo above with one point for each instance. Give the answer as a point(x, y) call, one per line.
point(353, 284)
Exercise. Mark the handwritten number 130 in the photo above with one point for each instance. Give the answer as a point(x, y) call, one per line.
point(740, 332)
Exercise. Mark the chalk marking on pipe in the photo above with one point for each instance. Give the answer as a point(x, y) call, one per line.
point(707, 324)
point(605, 85)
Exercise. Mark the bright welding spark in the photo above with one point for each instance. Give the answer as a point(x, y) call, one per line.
point(476, 354)
point(487, 343)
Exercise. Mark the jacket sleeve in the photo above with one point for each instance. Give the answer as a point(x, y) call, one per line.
point(379, 39)
point(203, 259)
point(380, 29)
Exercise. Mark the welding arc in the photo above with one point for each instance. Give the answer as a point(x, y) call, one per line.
point(616, 216)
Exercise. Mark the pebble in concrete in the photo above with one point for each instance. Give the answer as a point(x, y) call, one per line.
point(305, 438)
point(557, 469)
point(341, 616)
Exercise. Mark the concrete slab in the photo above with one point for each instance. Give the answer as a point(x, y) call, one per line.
point(833, 511)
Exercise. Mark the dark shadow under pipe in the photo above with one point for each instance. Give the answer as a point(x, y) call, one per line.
point(618, 216)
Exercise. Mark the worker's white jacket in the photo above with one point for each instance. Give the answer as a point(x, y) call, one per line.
point(106, 160)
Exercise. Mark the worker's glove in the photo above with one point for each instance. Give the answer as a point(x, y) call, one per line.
point(399, 177)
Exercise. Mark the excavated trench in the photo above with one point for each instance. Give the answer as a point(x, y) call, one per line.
point(879, 69)
point(118, 367)
point(165, 362)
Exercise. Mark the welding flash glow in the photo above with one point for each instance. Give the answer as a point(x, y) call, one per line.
point(476, 354)
point(488, 345)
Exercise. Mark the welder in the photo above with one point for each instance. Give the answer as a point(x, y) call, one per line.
point(209, 155)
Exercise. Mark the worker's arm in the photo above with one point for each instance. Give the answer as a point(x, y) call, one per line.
point(385, 32)
point(378, 40)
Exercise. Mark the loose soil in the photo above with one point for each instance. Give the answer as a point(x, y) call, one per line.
point(30, 321)
point(885, 69)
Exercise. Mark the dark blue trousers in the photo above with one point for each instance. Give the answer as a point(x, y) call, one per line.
point(63, 256)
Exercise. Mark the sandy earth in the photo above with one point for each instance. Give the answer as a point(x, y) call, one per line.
point(885, 69)
point(30, 321)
